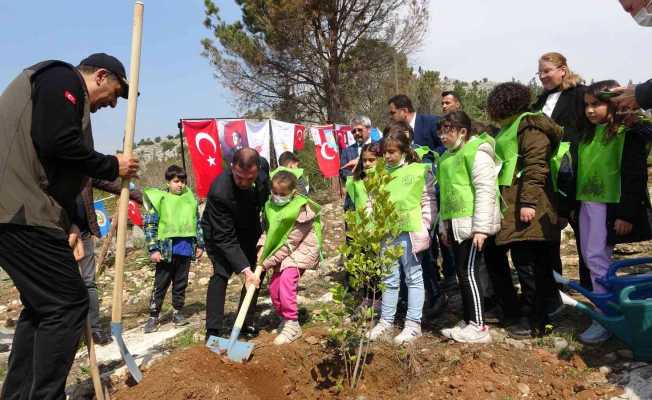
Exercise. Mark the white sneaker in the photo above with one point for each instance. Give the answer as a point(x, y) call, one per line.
point(472, 333)
point(291, 332)
point(381, 329)
point(279, 328)
point(596, 333)
point(447, 332)
point(410, 332)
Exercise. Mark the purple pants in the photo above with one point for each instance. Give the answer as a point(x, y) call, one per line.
point(283, 291)
point(593, 240)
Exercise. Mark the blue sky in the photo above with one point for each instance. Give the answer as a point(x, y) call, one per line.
point(175, 80)
point(466, 40)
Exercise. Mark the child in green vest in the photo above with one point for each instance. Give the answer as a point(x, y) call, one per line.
point(288, 161)
point(612, 188)
point(174, 238)
point(468, 214)
point(530, 226)
point(289, 245)
point(412, 192)
point(357, 192)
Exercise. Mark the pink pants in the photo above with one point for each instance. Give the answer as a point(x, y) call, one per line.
point(283, 289)
point(593, 240)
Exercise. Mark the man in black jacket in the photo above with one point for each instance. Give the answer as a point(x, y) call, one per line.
point(232, 226)
point(46, 156)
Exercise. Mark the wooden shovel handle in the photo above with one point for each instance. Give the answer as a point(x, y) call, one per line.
point(130, 127)
point(251, 289)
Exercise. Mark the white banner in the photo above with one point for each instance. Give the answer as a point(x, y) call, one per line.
point(258, 136)
point(283, 137)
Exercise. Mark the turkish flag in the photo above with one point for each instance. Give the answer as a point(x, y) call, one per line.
point(342, 132)
point(205, 153)
point(299, 136)
point(327, 155)
point(134, 213)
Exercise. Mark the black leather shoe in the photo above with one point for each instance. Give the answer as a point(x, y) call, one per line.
point(100, 338)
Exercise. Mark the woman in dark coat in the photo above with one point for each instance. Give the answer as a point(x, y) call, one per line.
point(563, 101)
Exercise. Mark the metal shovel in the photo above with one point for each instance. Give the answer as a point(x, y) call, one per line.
point(235, 350)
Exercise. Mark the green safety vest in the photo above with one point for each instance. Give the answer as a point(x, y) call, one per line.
point(405, 191)
point(598, 169)
point(177, 214)
point(454, 175)
point(507, 150)
point(555, 162)
point(298, 172)
point(280, 221)
point(357, 192)
point(422, 151)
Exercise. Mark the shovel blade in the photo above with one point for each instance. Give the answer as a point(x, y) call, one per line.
point(235, 350)
point(116, 332)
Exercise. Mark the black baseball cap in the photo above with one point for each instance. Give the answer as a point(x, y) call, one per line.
point(103, 60)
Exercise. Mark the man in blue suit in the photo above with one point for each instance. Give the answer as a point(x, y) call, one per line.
point(425, 126)
point(361, 130)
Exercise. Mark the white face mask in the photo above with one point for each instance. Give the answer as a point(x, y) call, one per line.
point(398, 164)
point(281, 200)
point(643, 17)
point(455, 145)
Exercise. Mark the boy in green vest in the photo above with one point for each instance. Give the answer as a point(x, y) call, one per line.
point(288, 161)
point(174, 238)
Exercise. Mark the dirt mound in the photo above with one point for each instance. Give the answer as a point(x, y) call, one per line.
point(428, 369)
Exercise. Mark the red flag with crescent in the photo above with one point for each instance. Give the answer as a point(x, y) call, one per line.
point(299, 136)
point(133, 212)
point(328, 158)
point(205, 152)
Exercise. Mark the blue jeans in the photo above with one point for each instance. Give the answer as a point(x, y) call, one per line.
point(411, 266)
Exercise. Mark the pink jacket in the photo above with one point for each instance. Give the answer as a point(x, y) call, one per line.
point(302, 247)
point(421, 240)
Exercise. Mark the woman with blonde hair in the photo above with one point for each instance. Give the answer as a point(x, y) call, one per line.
point(563, 101)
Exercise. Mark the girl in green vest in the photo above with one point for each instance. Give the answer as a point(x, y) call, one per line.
point(289, 245)
point(612, 188)
point(468, 214)
point(355, 186)
point(412, 192)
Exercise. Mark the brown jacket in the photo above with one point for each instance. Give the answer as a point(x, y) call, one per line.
point(302, 247)
point(538, 137)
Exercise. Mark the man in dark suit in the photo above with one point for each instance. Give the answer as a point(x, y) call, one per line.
point(425, 126)
point(361, 130)
point(232, 226)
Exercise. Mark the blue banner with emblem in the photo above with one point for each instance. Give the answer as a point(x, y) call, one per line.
point(102, 217)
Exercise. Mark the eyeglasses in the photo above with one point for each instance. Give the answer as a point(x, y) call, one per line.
point(357, 130)
point(546, 72)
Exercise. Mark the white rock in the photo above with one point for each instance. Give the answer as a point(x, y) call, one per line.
point(203, 281)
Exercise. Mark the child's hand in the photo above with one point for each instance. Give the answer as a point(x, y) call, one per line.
point(478, 240)
point(199, 252)
point(622, 227)
point(155, 256)
point(527, 214)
